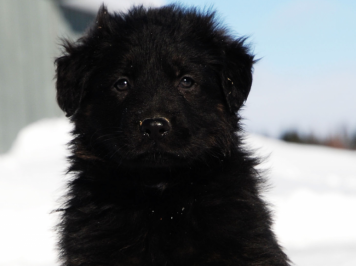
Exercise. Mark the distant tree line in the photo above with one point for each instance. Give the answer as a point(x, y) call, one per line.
point(342, 140)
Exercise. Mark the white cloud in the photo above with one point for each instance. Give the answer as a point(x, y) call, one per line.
point(112, 5)
point(321, 101)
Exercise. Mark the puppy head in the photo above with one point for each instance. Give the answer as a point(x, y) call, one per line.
point(155, 84)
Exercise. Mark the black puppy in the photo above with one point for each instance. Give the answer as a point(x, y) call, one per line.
point(160, 175)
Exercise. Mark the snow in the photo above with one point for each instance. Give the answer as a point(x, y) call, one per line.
point(312, 194)
point(31, 176)
point(313, 197)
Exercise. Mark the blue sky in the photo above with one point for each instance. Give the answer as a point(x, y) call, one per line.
point(307, 76)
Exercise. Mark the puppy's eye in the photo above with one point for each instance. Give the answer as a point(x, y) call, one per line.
point(186, 83)
point(122, 84)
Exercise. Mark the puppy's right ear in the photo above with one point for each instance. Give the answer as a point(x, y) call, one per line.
point(70, 75)
point(74, 67)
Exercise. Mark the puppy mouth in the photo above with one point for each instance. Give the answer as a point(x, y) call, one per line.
point(155, 158)
point(157, 153)
point(154, 148)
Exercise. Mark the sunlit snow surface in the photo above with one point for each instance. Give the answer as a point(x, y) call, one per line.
point(312, 194)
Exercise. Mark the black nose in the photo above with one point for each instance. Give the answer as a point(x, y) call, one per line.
point(155, 128)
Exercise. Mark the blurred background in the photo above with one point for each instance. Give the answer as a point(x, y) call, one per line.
point(304, 92)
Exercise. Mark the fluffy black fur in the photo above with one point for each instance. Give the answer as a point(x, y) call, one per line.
point(160, 175)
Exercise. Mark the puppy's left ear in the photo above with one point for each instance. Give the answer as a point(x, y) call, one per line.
point(237, 73)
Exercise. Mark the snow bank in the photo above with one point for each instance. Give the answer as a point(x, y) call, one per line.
point(31, 179)
point(313, 196)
